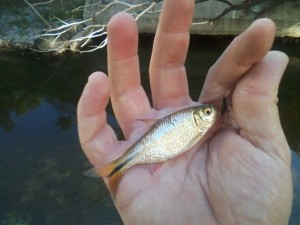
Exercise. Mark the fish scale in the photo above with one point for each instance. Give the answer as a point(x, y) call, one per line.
point(167, 138)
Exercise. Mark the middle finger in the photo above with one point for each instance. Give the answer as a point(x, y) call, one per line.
point(167, 72)
point(128, 97)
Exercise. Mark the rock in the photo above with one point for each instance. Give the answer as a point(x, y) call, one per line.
point(18, 28)
point(21, 28)
point(286, 16)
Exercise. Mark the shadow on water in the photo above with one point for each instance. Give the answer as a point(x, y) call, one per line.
point(42, 163)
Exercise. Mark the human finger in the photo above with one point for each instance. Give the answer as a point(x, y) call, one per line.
point(244, 51)
point(97, 138)
point(255, 105)
point(168, 79)
point(129, 99)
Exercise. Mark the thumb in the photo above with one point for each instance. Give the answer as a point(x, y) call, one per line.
point(255, 105)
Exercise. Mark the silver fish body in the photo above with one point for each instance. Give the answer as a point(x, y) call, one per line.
point(167, 138)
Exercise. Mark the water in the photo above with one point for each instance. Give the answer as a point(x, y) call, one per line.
point(41, 164)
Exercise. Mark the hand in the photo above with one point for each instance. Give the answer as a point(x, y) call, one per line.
point(241, 175)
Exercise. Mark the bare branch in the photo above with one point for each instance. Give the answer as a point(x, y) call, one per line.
point(38, 14)
point(242, 6)
point(77, 36)
point(145, 11)
point(42, 3)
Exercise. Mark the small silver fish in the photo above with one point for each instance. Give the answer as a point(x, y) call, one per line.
point(167, 138)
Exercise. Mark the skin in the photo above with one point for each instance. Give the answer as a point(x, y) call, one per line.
point(241, 174)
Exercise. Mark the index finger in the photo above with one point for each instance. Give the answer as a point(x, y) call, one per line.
point(244, 51)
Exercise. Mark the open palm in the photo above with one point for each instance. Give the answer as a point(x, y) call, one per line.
point(241, 175)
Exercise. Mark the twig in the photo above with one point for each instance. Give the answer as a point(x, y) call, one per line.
point(43, 3)
point(241, 6)
point(76, 35)
point(38, 14)
point(200, 23)
point(145, 11)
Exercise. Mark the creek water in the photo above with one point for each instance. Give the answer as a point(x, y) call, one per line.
point(41, 162)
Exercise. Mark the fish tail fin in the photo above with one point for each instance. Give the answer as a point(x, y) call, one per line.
point(112, 170)
point(103, 171)
point(113, 183)
point(108, 170)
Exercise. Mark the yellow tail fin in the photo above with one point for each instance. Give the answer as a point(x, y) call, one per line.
point(103, 171)
point(108, 170)
point(112, 170)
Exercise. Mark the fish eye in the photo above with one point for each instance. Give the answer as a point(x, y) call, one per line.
point(207, 111)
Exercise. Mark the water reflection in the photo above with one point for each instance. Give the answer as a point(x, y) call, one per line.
point(41, 162)
point(42, 165)
point(289, 99)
